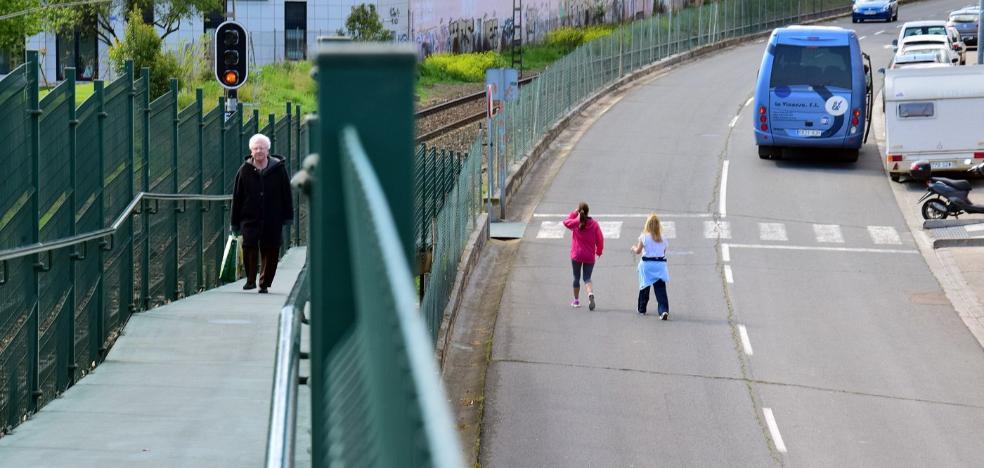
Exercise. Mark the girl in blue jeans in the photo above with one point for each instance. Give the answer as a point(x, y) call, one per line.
point(652, 266)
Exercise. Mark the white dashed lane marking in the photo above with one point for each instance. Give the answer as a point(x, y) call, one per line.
point(772, 232)
point(717, 229)
point(611, 229)
point(770, 420)
point(884, 235)
point(551, 230)
point(828, 233)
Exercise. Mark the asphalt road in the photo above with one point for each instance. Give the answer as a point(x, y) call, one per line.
point(805, 328)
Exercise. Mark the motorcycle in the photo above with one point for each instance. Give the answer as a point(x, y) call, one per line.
point(945, 197)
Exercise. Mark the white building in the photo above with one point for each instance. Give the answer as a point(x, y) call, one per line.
point(279, 30)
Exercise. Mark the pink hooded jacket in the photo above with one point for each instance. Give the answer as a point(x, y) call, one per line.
point(587, 242)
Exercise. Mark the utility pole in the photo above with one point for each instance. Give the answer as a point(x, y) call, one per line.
point(980, 28)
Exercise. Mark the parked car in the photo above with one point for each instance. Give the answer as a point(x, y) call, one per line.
point(958, 45)
point(863, 10)
point(930, 40)
point(922, 57)
point(919, 28)
point(965, 21)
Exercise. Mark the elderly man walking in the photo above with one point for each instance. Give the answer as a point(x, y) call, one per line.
point(261, 206)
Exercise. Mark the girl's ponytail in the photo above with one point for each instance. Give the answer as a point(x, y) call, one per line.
point(582, 209)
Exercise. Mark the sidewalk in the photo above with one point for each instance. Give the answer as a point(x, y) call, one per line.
point(187, 384)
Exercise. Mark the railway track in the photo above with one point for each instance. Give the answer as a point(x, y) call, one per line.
point(437, 121)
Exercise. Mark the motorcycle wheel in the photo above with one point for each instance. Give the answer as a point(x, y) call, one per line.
point(934, 209)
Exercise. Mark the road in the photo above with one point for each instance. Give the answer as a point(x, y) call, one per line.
point(805, 329)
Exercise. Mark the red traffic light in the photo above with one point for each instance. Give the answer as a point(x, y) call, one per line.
point(230, 77)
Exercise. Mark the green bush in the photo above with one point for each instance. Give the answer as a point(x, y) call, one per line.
point(463, 67)
point(142, 45)
point(569, 38)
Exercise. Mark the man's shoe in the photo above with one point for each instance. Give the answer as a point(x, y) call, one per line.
point(664, 316)
point(263, 290)
point(591, 304)
point(248, 286)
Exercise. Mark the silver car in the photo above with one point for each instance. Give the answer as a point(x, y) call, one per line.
point(965, 22)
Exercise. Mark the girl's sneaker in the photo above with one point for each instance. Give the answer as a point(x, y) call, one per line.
point(591, 304)
point(576, 304)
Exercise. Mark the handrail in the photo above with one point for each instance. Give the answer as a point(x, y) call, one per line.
point(42, 247)
point(283, 403)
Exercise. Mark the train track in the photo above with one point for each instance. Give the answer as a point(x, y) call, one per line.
point(441, 119)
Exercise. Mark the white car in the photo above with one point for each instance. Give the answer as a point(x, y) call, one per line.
point(931, 40)
point(922, 57)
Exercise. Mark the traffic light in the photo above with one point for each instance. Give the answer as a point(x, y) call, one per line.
point(231, 55)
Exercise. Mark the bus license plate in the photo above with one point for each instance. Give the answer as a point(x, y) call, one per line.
point(941, 164)
point(808, 133)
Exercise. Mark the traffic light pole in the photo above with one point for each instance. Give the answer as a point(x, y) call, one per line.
point(232, 99)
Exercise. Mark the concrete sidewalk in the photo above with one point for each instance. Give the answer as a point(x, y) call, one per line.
point(188, 384)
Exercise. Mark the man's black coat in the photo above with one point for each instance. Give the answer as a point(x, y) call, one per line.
point(261, 202)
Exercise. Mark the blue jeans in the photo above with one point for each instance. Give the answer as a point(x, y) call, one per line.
point(659, 288)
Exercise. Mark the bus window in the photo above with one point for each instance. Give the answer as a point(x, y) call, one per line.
point(811, 66)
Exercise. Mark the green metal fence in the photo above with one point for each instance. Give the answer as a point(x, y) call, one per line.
point(456, 212)
point(116, 205)
point(599, 63)
point(377, 398)
point(435, 175)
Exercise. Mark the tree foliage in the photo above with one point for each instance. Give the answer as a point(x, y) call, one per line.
point(15, 29)
point(168, 14)
point(142, 45)
point(363, 24)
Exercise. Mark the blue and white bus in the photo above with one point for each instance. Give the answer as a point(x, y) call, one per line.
point(813, 91)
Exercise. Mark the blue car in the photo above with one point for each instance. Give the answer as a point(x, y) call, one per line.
point(863, 10)
point(813, 91)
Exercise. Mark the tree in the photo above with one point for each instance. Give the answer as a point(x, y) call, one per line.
point(13, 30)
point(168, 14)
point(363, 24)
point(142, 45)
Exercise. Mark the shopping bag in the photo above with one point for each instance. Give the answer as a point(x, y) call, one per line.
point(230, 260)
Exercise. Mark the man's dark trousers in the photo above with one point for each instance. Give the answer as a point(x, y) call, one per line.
point(268, 258)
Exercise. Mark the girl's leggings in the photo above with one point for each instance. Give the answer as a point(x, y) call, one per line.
point(588, 267)
point(659, 288)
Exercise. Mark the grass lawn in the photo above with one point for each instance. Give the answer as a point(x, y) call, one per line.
point(83, 89)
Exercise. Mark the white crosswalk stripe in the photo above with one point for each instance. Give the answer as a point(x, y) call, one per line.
point(884, 235)
point(772, 232)
point(717, 229)
point(669, 229)
point(828, 233)
point(611, 229)
point(551, 230)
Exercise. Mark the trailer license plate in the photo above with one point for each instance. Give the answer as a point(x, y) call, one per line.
point(808, 133)
point(941, 164)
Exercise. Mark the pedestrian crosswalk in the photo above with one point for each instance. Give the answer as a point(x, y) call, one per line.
point(768, 232)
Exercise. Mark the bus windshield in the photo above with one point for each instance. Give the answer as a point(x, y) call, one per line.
point(811, 66)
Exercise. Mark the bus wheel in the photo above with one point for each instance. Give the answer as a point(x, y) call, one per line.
point(767, 152)
point(851, 155)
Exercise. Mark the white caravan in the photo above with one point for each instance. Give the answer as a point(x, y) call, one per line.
point(934, 114)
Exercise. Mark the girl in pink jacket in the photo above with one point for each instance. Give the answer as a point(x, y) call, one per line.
point(586, 243)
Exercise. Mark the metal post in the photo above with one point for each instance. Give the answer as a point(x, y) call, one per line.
point(100, 96)
point(200, 111)
point(297, 196)
point(174, 189)
point(130, 166)
point(35, 147)
point(980, 30)
point(291, 167)
point(74, 205)
point(145, 255)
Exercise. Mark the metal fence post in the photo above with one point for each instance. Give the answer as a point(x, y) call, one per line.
point(35, 148)
point(100, 96)
point(291, 165)
point(145, 255)
point(297, 196)
point(200, 111)
point(174, 189)
point(131, 183)
point(73, 227)
point(375, 84)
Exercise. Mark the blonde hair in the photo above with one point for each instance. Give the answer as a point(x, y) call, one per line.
point(653, 228)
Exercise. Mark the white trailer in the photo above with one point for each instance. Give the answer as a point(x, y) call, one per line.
point(934, 114)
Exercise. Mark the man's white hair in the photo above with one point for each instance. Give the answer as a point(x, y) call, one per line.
point(259, 137)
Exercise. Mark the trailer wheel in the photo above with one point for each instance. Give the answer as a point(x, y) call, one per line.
point(895, 177)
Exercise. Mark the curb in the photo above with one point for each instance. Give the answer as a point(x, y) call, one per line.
point(970, 242)
point(469, 258)
point(946, 223)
